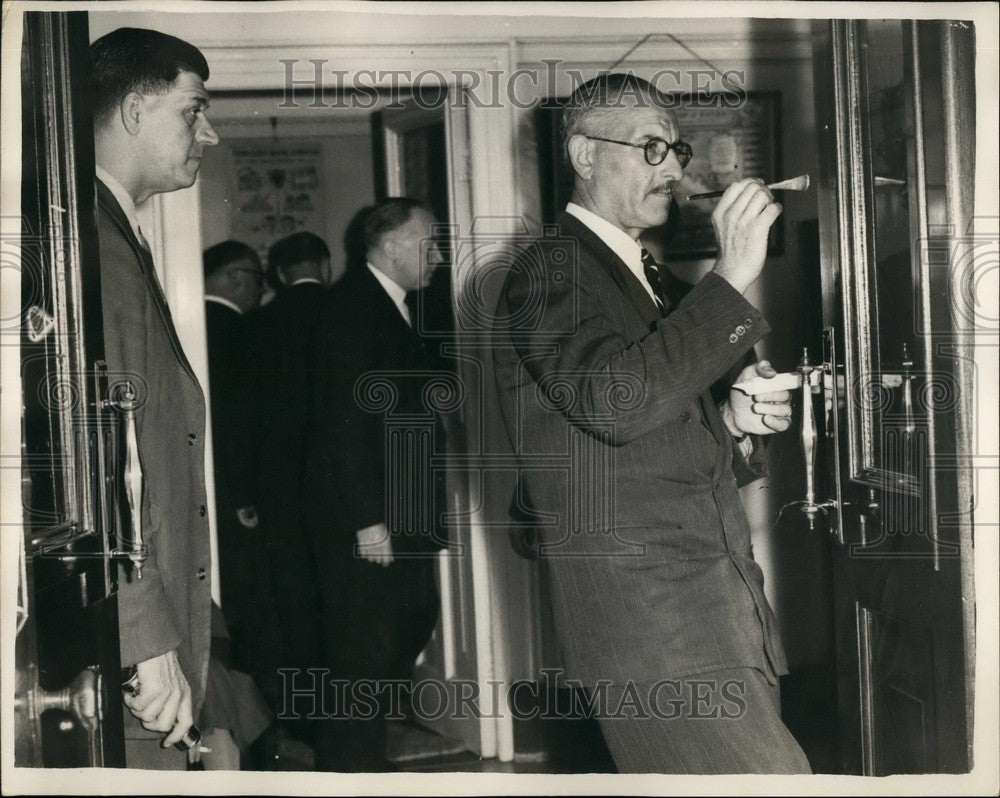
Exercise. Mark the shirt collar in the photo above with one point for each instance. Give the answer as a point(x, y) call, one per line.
point(618, 241)
point(122, 196)
point(395, 291)
point(220, 300)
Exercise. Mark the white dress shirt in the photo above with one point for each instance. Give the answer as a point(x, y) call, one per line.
point(124, 200)
point(221, 300)
point(618, 241)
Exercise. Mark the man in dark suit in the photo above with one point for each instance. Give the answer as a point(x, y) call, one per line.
point(150, 135)
point(281, 337)
point(604, 388)
point(369, 489)
point(233, 283)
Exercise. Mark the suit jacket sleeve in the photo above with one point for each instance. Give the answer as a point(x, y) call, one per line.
point(233, 417)
point(576, 343)
point(350, 438)
point(146, 628)
point(746, 469)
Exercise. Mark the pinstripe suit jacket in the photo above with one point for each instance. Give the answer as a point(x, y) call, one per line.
point(629, 472)
point(169, 608)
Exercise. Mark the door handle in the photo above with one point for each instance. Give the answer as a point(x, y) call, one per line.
point(81, 698)
point(811, 377)
point(135, 550)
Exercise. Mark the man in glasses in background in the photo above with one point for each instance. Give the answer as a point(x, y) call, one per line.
point(604, 388)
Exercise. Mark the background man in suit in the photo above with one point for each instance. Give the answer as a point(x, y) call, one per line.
point(150, 135)
point(234, 279)
point(375, 557)
point(653, 583)
point(281, 336)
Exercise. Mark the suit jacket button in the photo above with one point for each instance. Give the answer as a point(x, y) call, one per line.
point(733, 338)
point(740, 329)
point(748, 323)
point(686, 418)
point(202, 510)
point(201, 574)
point(192, 439)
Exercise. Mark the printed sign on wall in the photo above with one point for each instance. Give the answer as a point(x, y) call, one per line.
point(279, 190)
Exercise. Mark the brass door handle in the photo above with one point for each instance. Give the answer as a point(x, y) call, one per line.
point(135, 550)
point(81, 698)
point(811, 375)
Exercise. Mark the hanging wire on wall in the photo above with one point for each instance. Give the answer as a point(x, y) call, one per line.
point(635, 47)
point(673, 38)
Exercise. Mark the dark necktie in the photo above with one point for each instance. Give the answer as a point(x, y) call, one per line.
point(142, 240)
point(652, 273)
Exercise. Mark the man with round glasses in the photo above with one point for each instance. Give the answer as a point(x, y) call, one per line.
point(627, 463)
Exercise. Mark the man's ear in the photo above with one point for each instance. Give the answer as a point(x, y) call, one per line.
point(131, 110)
point(581, 155)
point(389, 246)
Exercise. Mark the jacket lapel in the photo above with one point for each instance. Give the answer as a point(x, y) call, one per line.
point(616, 268)
point(398, 326)
point(602, 254)
point(145, 259)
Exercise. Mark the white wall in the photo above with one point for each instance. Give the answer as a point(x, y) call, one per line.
point(347, 176)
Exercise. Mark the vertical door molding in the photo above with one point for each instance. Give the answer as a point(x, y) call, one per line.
point(172, 224)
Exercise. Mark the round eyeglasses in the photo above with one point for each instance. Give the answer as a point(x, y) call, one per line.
point(655, 150)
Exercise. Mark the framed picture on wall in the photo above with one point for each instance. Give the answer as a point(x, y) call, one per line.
point(729, 144)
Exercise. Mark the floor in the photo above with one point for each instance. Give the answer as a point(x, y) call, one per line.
point(413, 748)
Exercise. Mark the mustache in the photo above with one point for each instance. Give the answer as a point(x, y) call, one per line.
point(667, 187)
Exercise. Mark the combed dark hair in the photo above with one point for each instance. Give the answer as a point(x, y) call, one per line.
point(137, 59)
point(600, 94)
point(386, 216)
point(221, 255)
point(297, 248)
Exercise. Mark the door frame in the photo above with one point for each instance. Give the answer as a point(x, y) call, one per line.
point(489, 187)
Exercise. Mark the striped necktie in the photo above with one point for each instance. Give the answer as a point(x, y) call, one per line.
point(652, 273)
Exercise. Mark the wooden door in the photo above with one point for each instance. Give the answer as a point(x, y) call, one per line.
point(895, 111)
point(67, 691)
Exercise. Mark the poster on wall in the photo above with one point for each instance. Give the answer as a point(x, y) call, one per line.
point(278, 190)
